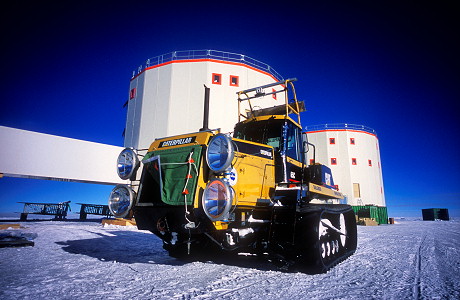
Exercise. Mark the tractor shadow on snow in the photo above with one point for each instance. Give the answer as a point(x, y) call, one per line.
point(131, 247)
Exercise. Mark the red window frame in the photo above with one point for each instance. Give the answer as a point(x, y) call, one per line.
point(274, 95)
point(352, 141)
point(333, 161)
point(236, 79)
point(353, 161)
point(132, 93)
point(216, 78)
point(331, 141)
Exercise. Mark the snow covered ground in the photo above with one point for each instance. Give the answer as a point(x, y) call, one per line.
point(84, 260)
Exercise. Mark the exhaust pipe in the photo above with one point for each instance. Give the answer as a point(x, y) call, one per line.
point(206, 109)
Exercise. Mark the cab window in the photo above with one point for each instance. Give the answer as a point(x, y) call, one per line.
point(267, 133)
point(293, 142)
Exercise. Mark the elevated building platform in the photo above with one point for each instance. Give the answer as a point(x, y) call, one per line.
point(29, 154)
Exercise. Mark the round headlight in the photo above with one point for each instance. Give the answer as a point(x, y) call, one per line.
point(217, 200)
point(127, 163)
point(121, 201)
point(219, 154)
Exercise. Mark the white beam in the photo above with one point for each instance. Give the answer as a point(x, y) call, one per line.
point(31, 154)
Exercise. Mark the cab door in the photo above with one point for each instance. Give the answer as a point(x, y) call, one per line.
point(292, 140)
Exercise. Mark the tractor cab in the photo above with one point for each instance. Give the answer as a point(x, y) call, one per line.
point(284, 136)
point(274, 127)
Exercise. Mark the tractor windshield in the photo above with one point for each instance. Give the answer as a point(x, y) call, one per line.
point(268, 133)
point(276, 133)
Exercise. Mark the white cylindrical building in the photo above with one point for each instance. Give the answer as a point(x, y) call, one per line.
point(352, 152)
point(166, 95)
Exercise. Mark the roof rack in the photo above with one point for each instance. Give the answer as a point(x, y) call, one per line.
point(295, 107)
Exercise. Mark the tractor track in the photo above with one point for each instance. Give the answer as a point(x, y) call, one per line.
point(416, 288)
point(228, 285)
point(267, 279)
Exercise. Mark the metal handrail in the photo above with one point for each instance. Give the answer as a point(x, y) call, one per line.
point(339, 126)
point(207, 54)
point(58, 209)
point(292, 106)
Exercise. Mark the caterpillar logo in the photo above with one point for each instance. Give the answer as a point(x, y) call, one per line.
point(176, 142)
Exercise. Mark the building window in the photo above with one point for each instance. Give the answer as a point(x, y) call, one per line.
point(353, 161)
point(370, 163)
point(274, 95)
point(332, 141)
point(216, 78)
point(132, 93)
point(352, 141)
point(333, 161)
point(234, 80)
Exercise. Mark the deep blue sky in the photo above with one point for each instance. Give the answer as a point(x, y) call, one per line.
point(390, 66)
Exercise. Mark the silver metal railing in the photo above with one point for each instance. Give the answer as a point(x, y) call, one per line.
point(339, 126)
point(207, 54)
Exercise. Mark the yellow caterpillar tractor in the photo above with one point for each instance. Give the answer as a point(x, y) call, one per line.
point(251, 192)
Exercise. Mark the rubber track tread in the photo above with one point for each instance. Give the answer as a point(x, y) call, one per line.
point(313, 213)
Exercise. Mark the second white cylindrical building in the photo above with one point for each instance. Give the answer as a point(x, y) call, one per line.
point(353, 154)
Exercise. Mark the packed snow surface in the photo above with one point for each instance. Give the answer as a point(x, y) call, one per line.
point(85, 260)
